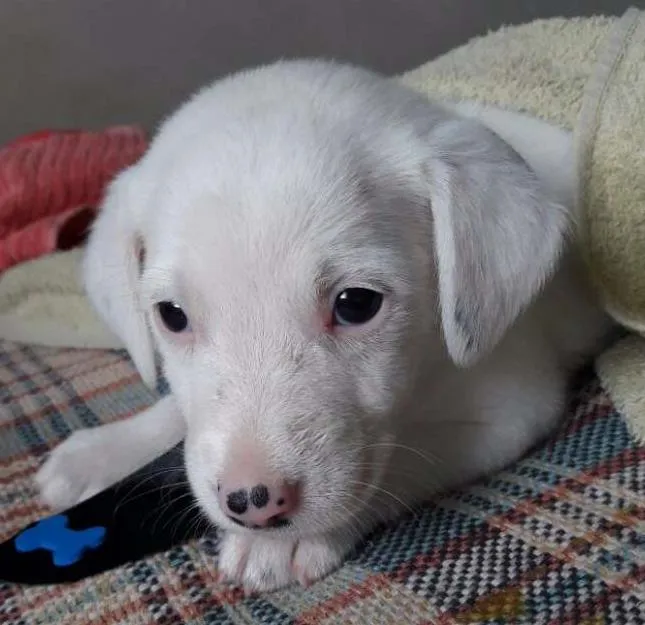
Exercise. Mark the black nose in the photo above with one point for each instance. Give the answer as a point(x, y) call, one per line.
point(260, 496)
point(238, 502)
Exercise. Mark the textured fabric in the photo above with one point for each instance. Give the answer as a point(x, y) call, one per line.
point(50, 184)
point(42, 302)
point(540, 68)
point(557, 538)
point(611, 163)
point(622, 370)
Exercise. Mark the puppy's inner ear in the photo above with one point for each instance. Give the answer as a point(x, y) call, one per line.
point(140, 253)
point(498, 235)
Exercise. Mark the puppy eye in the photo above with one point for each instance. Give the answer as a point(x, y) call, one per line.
point(172, 316)
point(356, 306)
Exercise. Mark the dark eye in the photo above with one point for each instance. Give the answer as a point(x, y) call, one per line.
point(356, 306)
point(173, 317)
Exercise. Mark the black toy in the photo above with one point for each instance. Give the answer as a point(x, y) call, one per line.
point(136, 517)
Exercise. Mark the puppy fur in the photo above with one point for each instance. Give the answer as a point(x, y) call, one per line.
point(259, 200)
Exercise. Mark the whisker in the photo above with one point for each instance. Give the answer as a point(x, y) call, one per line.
point(429, 459)
point(354, 525)
point(160, 512)
point(189, 509)
point(196, 525)
point(156, 472)
point(368, 506)
point(387, 492)
point(148, 478)
point(166, 489)
point(171, 502)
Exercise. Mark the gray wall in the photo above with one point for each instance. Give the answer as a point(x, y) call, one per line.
point(70, 63)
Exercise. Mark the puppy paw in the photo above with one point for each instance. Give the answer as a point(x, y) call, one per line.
point(77, 469)
point(261, 564)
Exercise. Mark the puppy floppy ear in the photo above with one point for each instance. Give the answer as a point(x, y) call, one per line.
point(112, 269)
point(498, 235)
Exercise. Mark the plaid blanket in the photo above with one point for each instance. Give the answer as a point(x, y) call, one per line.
point(557, 538)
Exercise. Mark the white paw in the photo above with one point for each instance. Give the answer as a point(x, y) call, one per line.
point(81, 466)
point(261, 564)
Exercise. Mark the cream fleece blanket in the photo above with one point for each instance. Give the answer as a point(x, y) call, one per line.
point(584, 74)
point(42, 302)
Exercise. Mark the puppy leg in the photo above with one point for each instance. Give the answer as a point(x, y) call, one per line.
point(93, 459)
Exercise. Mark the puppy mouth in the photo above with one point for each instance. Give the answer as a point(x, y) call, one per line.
point(275, 522)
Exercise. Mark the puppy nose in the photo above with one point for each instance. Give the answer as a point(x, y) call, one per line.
point(259, 505)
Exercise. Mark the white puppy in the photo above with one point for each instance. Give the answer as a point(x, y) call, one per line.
point(360, 297)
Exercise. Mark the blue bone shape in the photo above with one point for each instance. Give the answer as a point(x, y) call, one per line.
point(66, 545)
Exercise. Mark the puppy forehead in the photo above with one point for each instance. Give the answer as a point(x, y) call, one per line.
point(270, 185)
point(265, 209)
point(236, 247)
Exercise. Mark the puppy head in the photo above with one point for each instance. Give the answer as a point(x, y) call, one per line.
point(317, 239)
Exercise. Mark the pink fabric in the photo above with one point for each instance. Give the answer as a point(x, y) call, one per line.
point(51, 183)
